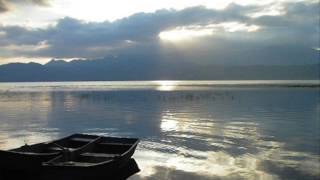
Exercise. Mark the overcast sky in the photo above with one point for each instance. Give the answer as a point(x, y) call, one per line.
point(204, 31)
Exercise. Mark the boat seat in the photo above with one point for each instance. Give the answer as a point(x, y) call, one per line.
point(73, 163)
point(82, 139)
point(116, 144)
point(99, 155)
point(59, 149)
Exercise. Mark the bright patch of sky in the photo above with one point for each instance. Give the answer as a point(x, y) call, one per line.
point(190, 32)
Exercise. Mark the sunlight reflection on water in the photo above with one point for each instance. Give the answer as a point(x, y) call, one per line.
point(215, 133)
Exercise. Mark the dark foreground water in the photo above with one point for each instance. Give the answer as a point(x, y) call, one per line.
point(188, 130)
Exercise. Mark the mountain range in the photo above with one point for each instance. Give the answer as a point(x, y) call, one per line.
point(112, 69)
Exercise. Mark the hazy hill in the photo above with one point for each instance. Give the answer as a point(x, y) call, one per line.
point(135, 69)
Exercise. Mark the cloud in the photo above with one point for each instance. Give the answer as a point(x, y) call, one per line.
point(5, 5)
point(71, 35)
point(285, 38)
point(36, 2)
point(41, 2)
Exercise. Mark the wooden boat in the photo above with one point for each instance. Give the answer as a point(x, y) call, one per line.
point(29, 158)
point(100, 154)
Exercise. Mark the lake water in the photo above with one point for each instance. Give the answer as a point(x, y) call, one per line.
point(188, 129)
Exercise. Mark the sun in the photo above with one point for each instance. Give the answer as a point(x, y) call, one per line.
point(166, 85)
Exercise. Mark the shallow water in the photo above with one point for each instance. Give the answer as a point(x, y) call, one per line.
point(188, 130)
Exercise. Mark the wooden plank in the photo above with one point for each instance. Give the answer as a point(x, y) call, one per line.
point(82, 139)
point(115, 144)
point(99, 155)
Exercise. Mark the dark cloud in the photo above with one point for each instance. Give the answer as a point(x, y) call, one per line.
point(41, 2)
point(71, 37)
point(287, 38)
point(5, 4)
point(36, 2)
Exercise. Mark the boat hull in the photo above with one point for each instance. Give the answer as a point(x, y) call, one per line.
point(89, 154)
point(13, 161)
point(123, 172)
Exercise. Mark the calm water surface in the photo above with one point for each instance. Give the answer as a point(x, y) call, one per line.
point(188, 130)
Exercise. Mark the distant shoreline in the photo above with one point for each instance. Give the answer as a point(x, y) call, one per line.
point(152, 85)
